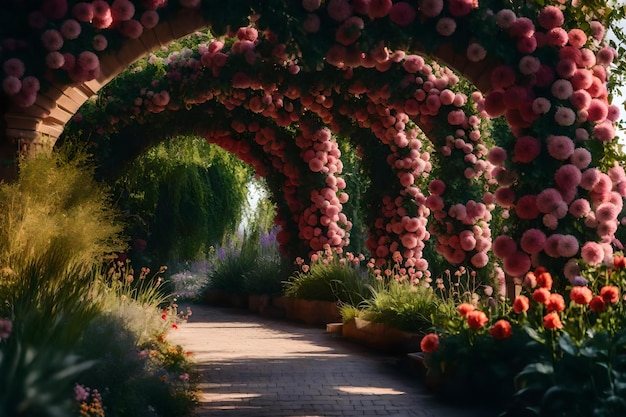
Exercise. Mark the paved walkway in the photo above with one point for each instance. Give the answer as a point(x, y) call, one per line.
point(255, 367)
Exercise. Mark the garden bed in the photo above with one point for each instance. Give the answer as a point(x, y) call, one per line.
point(381, 336)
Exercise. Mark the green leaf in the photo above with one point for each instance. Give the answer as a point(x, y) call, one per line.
point(567, 344)
point(534, 334)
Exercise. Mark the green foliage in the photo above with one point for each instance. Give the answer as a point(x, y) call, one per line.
point(330, 277)
point(401, 305)
point(57, 202)
point(178, 192)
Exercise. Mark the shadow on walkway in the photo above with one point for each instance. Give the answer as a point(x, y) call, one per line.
point(255, 366)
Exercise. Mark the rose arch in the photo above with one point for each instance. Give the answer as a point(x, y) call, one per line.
point(351, 65)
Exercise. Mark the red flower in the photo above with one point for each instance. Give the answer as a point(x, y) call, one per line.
point(610, 294)
point(465, 308)
point(541, 295)
point(476, 319)
point(597, 304)
point(430, 343)
point(544, 280)
point(501, 330)
point(552, 321)
point(619, 262)
point(555, 303)
point(581, 295)
point(174, 326)
point(521, 304)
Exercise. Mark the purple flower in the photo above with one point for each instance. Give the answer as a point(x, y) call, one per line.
point(579, 281)
point(6, 327)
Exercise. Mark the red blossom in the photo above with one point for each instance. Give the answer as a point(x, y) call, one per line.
point(552, 321)
point(521, 304)
point(581, 295)
point(476, 319)
point(430, 343)
point(610, 294)
point(465, 308)
point(501, 330)
point(555, 303)
point(597, 304)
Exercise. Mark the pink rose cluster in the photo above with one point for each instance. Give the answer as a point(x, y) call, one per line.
point(323, 221)
point(60, 23)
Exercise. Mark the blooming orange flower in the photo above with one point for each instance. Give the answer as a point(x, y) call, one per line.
point(476, 319)
point(581, 295)
point(521, 304)
point(465, 308)
point(597, 304)
point(619, 262)
point(610, 294)
point(430, 343)
point(544, 280)
point(501, 330)
point(555, 303)
point(552, 321)
point(541, 295)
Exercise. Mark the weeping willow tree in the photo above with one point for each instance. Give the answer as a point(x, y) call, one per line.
point(182, 196)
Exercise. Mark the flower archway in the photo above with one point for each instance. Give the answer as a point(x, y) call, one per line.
point(547, 80)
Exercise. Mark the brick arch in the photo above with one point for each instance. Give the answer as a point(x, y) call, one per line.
point(40, 125)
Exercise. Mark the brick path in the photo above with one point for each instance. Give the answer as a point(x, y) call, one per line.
point(259, 367)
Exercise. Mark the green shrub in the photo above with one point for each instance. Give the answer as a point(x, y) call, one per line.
point(329, 278)
point(401, 305)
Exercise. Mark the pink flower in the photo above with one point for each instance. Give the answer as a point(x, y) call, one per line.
point(567, 176)
point(517, 264)
point(52, 40)
point(564, 116)
point(479, 260)
point(604, 132)
point(590, 178)
point(548, 200)
point(579, 208)
point(131, 28)
point(541, 105)
point(605, 56)
point(562, 89)
point(83, 12)
point(99, 43)
point(504, 246)
point(122, 10)
point(88, 60)
point(551, 17)
point(437, 187)
point(526, 149)
point(339, 10)
point(311, 24)
point(430, 343)
point(445, 26)
point(557, 37)
point(568, 246)
point(70, 29)
point(581, 158)
point(349, 31)
point(431, 8)
point(11, 85)
point(476, 52)
point(592, 253)
point(522, 27)
point(577, 38)
point(30, 85)
point(581, 79)
point(505, 18)
point(460, 8)
point(402, 14)
point(533, 241)
point(505, 197)
point(54, 60)
point(149, 19)
point(597, 29)
point(526, 207)
point(311, 5)
point(606, 212)
point(503, 76)
point(529, 65)
point(14, 67)
point(560, 147)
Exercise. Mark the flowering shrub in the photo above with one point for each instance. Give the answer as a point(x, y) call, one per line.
point(560, 354)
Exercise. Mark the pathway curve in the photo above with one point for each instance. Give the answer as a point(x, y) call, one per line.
point(259, 367)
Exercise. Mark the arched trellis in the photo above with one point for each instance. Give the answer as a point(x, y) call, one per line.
point(401, 223)
point(540, 62)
